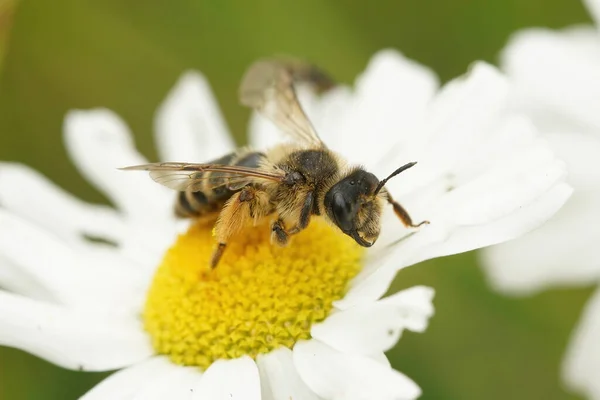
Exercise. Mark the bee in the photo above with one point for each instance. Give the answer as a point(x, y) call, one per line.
point(289, 183)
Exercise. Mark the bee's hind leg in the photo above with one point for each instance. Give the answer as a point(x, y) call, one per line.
point(217, 254)
point(237, 213)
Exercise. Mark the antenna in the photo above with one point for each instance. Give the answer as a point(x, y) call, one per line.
point(393, 174)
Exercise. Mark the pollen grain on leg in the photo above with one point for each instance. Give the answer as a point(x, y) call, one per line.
point(259, 298)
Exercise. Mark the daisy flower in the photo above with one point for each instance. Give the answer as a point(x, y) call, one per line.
point(126, 288)
point(556, 77)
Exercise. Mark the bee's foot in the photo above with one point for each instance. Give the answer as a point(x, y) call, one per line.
point(419, 224)
point(217, 254)
point(278, 235)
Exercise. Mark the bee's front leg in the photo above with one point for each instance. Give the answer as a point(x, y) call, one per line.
point(280, 235)
point(403, 215)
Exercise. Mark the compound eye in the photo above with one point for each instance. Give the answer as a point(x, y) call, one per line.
point(343, 212)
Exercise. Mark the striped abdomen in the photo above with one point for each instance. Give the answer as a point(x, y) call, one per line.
point(213, 192)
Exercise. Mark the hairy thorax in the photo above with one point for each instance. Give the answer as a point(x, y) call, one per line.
point(310, 170)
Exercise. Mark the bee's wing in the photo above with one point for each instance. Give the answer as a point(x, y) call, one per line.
point(184, 176)
point(268, 87)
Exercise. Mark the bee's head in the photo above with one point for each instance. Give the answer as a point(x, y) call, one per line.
point(354, 206)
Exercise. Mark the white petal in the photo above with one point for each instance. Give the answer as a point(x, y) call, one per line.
point(124, 384)
point(440, 239)
point(279, 378)
point(417, 302)
point(505, 186)
point(14, 279)
point(382, 359)
point(230, 380)
point(582, 362)
point(99, 143)
point(390, 100)
point(376, 327)
point(379, 270)
point(524, 220)
point(75, 340)
point(593, 7)
point(335, 375)
point(501, 190)
point(559, 70)
point(84, 279)
point(505, 170)
point(156, 378)
point(189, 125)
point(550, 255)
point(454, 146)
point(27, 193)
point(580, 152)
point(52, 264)
point(369, 288)
point(458, 122)
point(179, 383)
point(109, 285)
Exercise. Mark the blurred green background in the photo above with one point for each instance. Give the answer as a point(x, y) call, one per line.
point(126, 55)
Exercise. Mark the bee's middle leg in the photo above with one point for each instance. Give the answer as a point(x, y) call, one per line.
point(239, 210)
point(280, 235)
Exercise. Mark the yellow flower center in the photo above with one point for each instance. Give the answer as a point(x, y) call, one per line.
point(260, 297)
